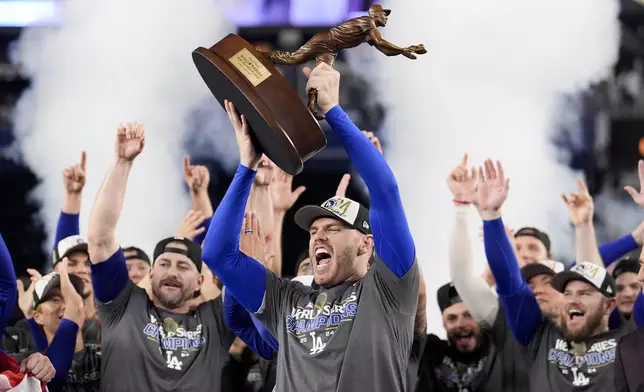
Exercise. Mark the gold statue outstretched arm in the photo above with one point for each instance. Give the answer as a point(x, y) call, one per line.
point(389, 49)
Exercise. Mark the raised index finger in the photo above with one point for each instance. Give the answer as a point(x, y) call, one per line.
point(83, 161)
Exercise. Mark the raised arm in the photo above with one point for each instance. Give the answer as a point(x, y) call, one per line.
point(241, 274)
point(581, 210)
point(108, 280)
point(8, 285)
point(392, 237)
point(473, 289)
point(389, 49)
point(198, 179)
point(520, 306)
point(74, 178)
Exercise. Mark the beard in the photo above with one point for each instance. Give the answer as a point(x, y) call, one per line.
point(460, 336)
point(171, 302)
point(592, 323)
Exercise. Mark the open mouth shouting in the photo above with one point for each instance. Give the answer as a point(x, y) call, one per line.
point(576, 318)
point(322, 259)
point(465, 339)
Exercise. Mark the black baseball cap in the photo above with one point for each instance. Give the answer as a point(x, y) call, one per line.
point(627, 264)
point(447, 296)
point(587, 272)
point(547, 267)
point(536, 233)
point(138, 254)
point(348, 211)
point(67, 246)
point(46, 287)
point(193, 251)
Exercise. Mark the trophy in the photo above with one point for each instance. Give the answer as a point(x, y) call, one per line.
point(282, 127)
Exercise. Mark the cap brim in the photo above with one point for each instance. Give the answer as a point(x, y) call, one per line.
point(77, 248)
point(306, 215)
point(531, 270)
point(387, 12)
point(561, 279)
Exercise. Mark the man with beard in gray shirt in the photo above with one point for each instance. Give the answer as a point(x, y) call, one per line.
point(579, 353)
point(154, 343)
point(353, 330)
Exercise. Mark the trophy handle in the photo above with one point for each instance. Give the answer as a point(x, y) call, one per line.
point(313, 105)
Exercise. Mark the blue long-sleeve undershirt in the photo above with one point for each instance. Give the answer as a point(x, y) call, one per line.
point(38, 335)
point(612, 251)
point(244, 277)
point(391, 235)
point(638, 310)
point(615, 250)
point(245, 327)
point(519, 304)
point(109, 277)
point(68, 225)
point(62, 347)
point(8, 285)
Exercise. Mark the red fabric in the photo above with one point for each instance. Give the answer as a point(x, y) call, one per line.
point(10, 376)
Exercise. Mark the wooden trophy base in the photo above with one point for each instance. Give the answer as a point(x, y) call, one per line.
point(282, 126)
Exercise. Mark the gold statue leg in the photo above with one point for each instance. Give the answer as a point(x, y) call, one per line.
point(312, 105)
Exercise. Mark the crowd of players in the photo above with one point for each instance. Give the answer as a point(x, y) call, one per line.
point(210, 311)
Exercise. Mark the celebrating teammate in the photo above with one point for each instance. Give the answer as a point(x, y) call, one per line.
point(354, 329)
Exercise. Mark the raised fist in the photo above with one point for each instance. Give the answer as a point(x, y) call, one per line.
point(130, 140)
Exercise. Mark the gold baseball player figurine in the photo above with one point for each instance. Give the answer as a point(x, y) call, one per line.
point(324, 46)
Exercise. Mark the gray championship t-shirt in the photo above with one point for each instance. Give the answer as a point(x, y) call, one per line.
point(559, 366)
point(356, 336)
point(147, 349)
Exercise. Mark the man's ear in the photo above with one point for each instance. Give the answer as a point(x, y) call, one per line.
point(610, 305)
point(366, 244)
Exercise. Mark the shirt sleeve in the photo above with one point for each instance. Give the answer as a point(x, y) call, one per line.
point(242, 275)
point(241, 324)
point(8, 285)
point(68, 225)
point(38, 335)
point(112, 288)
point(638, 310)
point(479, 297)
point(612, 251)
point(110, 277)
point(61, 349)
point(519, 304)
point(391, 234)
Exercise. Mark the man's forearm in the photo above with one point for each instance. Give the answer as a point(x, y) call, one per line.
point(106, 211)
point(241, 274)
point(586, 245)
point(473, 289)
point(201, 202)
point(420, 322)
point(261, 202)
point(521, 308)
point(383, 43)
point(72, 203)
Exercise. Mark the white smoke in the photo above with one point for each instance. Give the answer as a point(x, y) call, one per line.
point(115, 61)
point(489, 85)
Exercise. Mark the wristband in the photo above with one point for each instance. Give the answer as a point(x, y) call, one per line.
point(462, 202)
